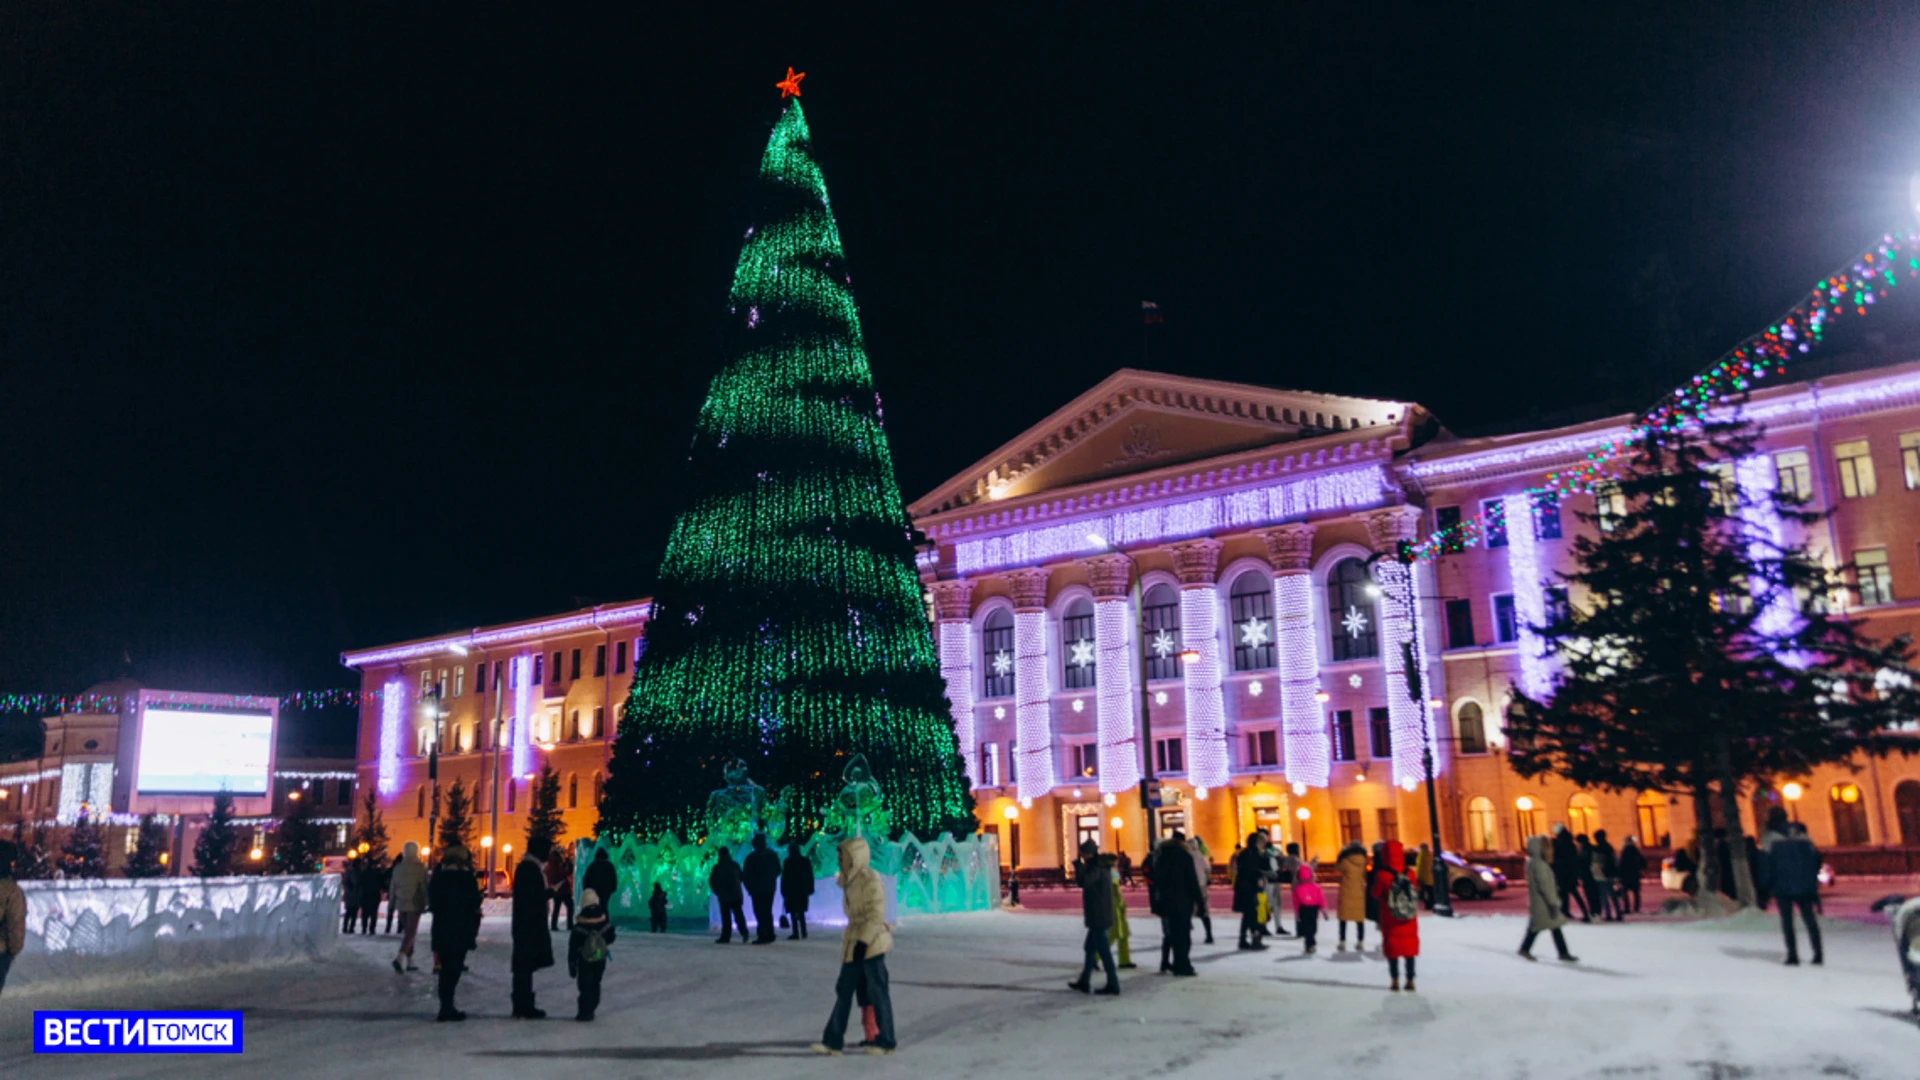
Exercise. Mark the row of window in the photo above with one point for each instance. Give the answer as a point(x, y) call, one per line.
point(568, 663)
point(316, 790)
point(472, 737)
point(569, 795)
point(1846, 808)
point(1354, 634)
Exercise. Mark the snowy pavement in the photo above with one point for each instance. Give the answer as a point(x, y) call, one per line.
point(984, 995)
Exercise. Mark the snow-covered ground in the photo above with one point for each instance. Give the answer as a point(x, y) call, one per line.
point(984, 996)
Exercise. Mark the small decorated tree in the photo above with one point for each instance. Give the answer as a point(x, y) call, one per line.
point(148, 846)
point(35, 861)
point(84, 855)
point(299, 842)
point(371, 831)
point(213, 852)
point(458, 824)
point(543, 812)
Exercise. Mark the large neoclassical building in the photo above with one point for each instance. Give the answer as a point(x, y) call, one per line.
point(1276, 644)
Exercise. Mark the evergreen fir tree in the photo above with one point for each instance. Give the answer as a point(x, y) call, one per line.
point(543, 810)
point(788, 628)
point(84, 855)
point(298, 843)
point(147, 848)
point(213, 851)
point(456, 824)
point(371, 830)
point(1704, 654)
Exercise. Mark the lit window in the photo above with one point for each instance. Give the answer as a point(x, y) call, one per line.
point(1610, 506)
point(1480, 824)
point(1343, 748)
point(1251, 606)
point(1351, 616)
point(426, 683)
point(1793, 473)
point(1856, 469)
point(1472, 727)
point(1910, 458)
point(1875, 576)
point(989, 764)
point(1493, 522)
point(1086, 760)
point(1160, 614)
point(1546, 515)
point(996, 650)
point(459, 681)
point(1077, 645)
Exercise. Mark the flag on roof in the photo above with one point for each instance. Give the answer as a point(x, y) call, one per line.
point(1150, 312)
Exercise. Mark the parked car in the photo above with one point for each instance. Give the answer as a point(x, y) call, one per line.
point(1469, 880)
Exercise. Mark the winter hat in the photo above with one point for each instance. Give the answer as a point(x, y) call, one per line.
point(588, 898)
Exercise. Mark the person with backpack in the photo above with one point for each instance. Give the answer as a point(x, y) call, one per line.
point(587, 951)
point(796, 889)
point(657, 910)
point(453, 894)
point(1308, 902)
point(724, 882)
point(1399, 904)
point(1095, 878)
point(1249, 889)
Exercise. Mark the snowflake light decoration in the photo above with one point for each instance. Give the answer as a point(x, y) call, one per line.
point(1002, 663)
point(1079, 704)
point(999, 712)
point(1255, 632)
point(1354, 681)
point(1354, 622)
point(1082, 651)
point(1162, 644)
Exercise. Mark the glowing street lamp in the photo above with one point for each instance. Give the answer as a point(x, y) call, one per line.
point(256, 854)
point(486, 841)
point(1793, 791)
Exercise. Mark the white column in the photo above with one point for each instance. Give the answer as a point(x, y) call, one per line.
point(1766, 537)
point(1303, 727)
point(1032, 683)
point(1119, 729)
point(1529, 595)
point(392, 700)
point(952, 601)
point(1207, 764)
point(1409, 718)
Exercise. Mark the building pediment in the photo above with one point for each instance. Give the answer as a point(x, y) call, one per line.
point(1138, 421)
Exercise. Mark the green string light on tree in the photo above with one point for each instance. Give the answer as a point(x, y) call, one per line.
point(788, 628)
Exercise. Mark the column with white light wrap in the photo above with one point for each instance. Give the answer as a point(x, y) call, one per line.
point(522, 731)
point(1113, 621)
point(1766, 537)
point(1198, 561)
point(392, 701)
point(1033, 705)
point(1303, 731)
point(1410, 721)
point(1529, 595)
point(953, 605)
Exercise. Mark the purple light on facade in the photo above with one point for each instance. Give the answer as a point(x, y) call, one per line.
point(1119, 755)
point(956, 666)
point(1765, 538)
point(1303, 729)
point(1409, 720)
point(1033, 710)
point(522, 729)
point(392, 704)
point(1207, 764)
point(603, 617)
point(1529, 595)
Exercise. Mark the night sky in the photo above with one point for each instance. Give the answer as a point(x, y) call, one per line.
point(325, 325)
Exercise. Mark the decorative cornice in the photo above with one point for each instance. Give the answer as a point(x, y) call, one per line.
point(1029, 587)
point(1386, 529)
point(1289, 547)
point(601, 617)
point(1110, 574)
point(1196, 561)
point(953, 600)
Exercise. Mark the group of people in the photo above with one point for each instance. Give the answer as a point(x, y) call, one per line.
point(1588, 872)
point(761, 876)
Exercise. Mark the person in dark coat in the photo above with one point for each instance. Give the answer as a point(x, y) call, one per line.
point(1760, 894)
point(1179, 887)
point(587, 951)
point(796, 889)
point(724, 881)
point(601, 877)
point(657, 910)
point(1123, 865)
point(1374, 865)
point(560, 888)
point(1249, 885)
point(1095, 879)
point(1606, 868)
point(350, 894)
point(761, 876)
point(532, 940)
point(373, 883)
point(1566, 873)
point(1632, 865)
point(1790, 866)
point(1723, 863)
point(1583, 849)
point(453, 894)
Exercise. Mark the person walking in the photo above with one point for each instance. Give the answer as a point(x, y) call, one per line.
point(390, 904)
point(1181, 892)
point(657, 910)
point(373, 882)
point(1545, 904)
point(1628, 872)
point(1124, 865)
point(1790, 866)
point(408, 895)
point(350, 892)
point(587, 952)
point(796, 889)
point(1278, 873)
point(863, 953)
point(13, 912)
point(1352, 867)
point(532, 939)
point(1399, 907)
point(724, 881)
point(1606, 866)
point(760, 874)
point(602, 877)
point(453, 894)
point(1567, 872)
point(560, 888)
point(1249, 888)
point(1203, 869)
point(1308, 902)
point(1096, 914)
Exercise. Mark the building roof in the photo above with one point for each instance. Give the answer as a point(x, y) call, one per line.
point(597, 617)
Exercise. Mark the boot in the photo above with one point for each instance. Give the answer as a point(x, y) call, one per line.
point(1395, 987)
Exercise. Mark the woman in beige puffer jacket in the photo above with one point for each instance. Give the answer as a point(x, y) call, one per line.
point(863, 949)
point(1353, 895)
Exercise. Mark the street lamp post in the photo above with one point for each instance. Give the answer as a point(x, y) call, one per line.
point(1416, 691)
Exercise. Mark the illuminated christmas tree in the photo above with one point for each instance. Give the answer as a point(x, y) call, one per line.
point(788, 628)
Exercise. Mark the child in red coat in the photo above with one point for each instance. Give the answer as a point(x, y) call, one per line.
point(1399, 912)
